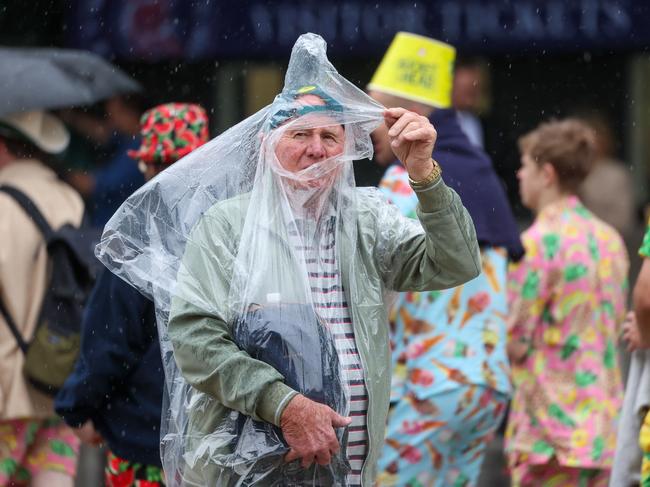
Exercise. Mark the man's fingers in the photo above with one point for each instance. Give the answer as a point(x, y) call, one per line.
point(389, 121)
point(323, 458)
point(307, 461)
point(403, 121)
point(291, 456)
point(333, 444)
point(339, 421)
point(422, 133)
point(412, 126)
point(392, 115)
point(395, 112)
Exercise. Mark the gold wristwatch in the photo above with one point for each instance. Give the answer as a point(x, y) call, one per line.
point(436, 172)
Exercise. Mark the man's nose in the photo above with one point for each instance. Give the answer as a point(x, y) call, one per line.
point(315, 147)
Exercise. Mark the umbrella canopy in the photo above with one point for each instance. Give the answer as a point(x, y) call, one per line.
point(33, 79)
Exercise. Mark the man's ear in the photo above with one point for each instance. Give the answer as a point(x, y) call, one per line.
point(549, 174)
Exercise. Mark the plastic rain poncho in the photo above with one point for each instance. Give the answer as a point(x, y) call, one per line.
point(173, 241)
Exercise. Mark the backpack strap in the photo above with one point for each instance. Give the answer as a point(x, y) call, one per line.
point(44, 227)
point(12, 326)
point(30, 208)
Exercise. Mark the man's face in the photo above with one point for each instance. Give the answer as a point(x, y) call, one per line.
point(301, 147)
point(467, 89)
point(380, 141)
point(531, 182)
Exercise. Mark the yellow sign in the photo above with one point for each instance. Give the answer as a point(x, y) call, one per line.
point(417, 68)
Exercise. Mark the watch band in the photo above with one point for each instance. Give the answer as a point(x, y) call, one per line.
point(435, 174)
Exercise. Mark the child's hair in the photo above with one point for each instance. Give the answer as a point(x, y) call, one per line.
point(568, 145)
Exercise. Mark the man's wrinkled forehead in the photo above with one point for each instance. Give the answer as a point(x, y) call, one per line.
point(314, 120)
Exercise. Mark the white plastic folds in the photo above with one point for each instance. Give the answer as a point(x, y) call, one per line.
point(240, 242)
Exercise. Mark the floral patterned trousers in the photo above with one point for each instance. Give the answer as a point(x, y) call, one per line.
point(122, 473)
point(30, 446)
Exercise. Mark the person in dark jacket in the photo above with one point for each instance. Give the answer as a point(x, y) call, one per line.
point(115, 393)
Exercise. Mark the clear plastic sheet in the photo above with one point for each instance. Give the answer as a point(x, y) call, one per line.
point(231, 235)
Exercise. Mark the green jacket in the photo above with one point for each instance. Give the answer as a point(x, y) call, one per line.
point(392, 253)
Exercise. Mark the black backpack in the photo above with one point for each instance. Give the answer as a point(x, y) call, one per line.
point(51, 353)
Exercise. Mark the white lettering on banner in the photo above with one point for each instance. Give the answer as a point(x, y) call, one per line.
point(348, 21)
point(451, 20)
point(532, 20)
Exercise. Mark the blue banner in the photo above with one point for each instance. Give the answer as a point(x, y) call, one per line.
point(153, 30)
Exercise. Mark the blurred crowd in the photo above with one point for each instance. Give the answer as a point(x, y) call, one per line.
point(514, 376)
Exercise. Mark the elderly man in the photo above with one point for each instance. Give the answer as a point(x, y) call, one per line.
point(277, 314)
point(445, 255)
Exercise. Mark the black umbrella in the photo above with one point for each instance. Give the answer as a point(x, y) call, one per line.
point(33, 79)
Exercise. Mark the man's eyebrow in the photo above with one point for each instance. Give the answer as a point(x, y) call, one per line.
point(333, 130)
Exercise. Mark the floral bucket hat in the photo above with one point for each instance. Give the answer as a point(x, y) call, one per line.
point(169, 132)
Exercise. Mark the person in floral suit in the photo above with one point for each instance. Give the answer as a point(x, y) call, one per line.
point(567, 304)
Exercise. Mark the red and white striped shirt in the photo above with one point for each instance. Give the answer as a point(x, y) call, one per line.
point(331, 306)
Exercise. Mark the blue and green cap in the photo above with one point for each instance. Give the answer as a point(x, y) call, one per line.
point(287, 109)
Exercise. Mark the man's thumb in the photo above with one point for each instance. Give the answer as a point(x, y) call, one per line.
point(339, 421)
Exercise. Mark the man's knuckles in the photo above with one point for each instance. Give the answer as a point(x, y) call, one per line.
point(323, 460)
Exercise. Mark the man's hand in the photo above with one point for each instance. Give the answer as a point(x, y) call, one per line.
point(308, 428)
point(412, 138)
point(88, 434)
point(631, 334)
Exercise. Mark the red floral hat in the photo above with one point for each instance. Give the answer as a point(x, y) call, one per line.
point(169, 132)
